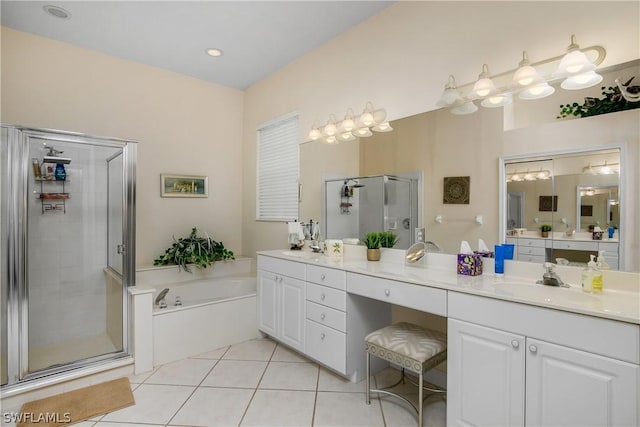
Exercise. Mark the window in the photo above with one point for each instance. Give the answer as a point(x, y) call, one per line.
point(277, 175)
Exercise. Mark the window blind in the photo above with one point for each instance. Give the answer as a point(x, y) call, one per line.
point(277, 174)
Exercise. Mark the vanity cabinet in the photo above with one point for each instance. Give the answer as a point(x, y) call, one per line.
point(281, 300)
point(529, 250)
point(532, 249)
point(511, 364)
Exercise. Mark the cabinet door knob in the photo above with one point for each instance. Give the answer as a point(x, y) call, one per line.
point(322, 336)
point(533, 348)
point(387, 292)
point(515, 343)
point(322, 297)
point(322, 316)
point(322, 276)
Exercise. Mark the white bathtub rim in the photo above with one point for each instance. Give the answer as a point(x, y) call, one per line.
point(174, 309)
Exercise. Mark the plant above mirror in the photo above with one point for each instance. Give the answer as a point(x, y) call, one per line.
point(611, 102)
point(200, 251)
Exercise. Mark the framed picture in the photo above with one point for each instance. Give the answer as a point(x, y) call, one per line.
point(548, 204)
point(586, 210)
point(184, 186)
point(456, 190)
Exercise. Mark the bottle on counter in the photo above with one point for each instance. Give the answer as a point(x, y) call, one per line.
point(587, 276)
point(596, 276)
point(601, 262)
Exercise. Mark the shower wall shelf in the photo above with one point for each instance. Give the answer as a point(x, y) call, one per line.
point(53, 200)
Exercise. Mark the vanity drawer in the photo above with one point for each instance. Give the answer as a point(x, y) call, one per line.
point(531, 258)
point(531, 250)
point(423, 298)
point(326, 345)
point(575, 245)
point(281, 266)
point(326, 277)
point(327, 296)
point(610, 249)
point(532, 242)
point(327, 316)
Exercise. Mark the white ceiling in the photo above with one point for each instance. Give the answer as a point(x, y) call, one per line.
point(257, 37)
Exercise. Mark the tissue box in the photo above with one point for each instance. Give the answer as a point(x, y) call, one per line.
point(470, 264)
point(333, 248)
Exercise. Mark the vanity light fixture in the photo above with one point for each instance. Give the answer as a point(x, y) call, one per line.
point(529, 81)
point(604, 169)
point(352, 127)
point(517, 176)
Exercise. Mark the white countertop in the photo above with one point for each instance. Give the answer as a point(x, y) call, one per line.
point(517, 285)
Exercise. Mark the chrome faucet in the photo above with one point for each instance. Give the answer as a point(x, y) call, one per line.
point(551, 278)
point(160, 299)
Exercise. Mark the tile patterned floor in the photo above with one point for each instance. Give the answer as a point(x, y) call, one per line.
point(259, 383)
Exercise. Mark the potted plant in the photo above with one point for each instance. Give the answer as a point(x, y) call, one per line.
point(544, 230)
point(200, 251)
point(372, 241)
point(388, 239)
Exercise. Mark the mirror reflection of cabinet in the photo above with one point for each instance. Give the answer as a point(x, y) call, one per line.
point(573, 193)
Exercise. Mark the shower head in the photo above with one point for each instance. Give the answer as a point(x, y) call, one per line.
point(356, 185)
point(53, 156)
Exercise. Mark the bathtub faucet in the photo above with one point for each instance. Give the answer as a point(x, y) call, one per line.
point(160, 302)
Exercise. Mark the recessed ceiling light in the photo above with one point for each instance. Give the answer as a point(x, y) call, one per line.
point(56, 11)
point(214, 52)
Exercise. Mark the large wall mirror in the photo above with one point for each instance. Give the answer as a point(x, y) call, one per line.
point(576, 195)
point(440, 144)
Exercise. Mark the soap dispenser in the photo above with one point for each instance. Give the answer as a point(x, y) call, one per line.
point(596, 276)
point(601, 263)
point(587, 276)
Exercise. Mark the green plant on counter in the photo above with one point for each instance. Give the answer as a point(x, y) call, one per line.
point(545, 228)
point(373, 240)
point(388, 239)
point(200, 251)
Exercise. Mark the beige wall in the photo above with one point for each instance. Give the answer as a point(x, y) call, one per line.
point(401, 58)
point(183, 125)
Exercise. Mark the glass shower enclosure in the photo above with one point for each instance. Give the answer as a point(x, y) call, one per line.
point(354, 206)
point(67, 251)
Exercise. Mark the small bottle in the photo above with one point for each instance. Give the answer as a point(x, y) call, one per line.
point(36, 168)
point(60, 173)
point(587, 277)
point(596, 277)
point(601, 263)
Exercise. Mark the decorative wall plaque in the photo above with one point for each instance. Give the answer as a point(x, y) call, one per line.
point(456, 190)
point(548, 204)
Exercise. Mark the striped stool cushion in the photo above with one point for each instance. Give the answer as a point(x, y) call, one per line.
point(408, 345)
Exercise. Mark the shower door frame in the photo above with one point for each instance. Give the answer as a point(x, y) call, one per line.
point(16, 246)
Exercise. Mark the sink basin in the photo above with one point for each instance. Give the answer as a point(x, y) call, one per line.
point(549, 294)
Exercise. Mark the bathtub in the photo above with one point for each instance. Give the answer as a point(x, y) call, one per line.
point(201, 292)
point(215, 312)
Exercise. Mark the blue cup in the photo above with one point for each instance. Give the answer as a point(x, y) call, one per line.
point(508, 250)
point(499, 259)
point(611, 231)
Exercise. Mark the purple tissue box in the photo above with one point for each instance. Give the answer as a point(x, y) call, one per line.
point(470, 264)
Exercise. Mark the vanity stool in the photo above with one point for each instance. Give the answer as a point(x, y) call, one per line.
point(414, 348)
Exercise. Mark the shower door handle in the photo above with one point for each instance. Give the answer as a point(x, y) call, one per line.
point(120, 249)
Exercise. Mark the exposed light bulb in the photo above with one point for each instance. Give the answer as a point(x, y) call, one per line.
point(331, 140)
point(330, 128)
point(362, 132)
point(315, 134)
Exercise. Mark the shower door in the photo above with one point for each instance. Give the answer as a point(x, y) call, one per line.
point(70, 250)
